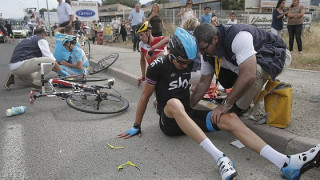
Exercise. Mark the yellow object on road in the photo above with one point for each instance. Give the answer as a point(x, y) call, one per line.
point(114, 147)
point(128, 163)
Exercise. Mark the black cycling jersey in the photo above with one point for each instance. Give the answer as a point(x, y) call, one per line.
point(170, 82)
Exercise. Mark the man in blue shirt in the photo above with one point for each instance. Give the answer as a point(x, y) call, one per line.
point(206, 17)
point(136, 16)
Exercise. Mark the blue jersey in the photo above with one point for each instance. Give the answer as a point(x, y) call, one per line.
point(60, 52)
point(77, 54)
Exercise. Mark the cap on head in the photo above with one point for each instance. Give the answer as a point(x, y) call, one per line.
point(182, 44)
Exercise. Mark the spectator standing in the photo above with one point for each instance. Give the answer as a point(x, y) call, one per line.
point(295, 24)
point(77, 24)
point(277, 17)
point(123, 30)
point(206, 17)
point(100, 34)
point(233, 18)
point(115, 23)
point(214, 20)
point(108, 34)
point(186, 13)
point(25, 60)
point(94, 31)
point(9, 30)
point(155, 20)
point(65, 14)
point(136, 16)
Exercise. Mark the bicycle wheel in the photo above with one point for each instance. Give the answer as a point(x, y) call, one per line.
point(89, 103)
point(86, 46)
point(104, 63)
point(81, 78)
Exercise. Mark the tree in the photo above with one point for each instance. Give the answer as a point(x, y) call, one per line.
point(130, 3)
point(160, 1)
point(232, 4)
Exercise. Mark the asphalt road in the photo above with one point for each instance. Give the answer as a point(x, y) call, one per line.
point(53, 141)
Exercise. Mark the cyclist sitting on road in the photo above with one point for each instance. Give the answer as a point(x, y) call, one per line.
point(77, 62)
point(169, 76)
point(60, 53)
point(145, 45)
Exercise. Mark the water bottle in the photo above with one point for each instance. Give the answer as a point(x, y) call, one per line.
point(16, 110)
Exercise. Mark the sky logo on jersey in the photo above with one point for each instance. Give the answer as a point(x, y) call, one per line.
point(156, 62)
point(178, 84)
point(85, 13)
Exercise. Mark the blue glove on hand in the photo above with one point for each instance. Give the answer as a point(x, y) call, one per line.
point(134, 131)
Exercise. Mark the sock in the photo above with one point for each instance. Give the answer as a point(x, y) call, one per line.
point(274, 156)
point(211, 149)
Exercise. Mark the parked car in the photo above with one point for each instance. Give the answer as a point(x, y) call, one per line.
point(19, 31)
point(1, 37)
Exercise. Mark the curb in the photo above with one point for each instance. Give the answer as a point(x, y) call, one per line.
point(279, 139)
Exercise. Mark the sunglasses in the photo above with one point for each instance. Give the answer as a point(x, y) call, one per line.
point(180, 61)
point(205, 48)
point(189, 3)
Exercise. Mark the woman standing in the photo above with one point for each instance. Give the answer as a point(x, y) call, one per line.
point(186, 13)
point(93, 31)
point(123, 30)
point(295, 24)
point(214, 20)
point(277, 17)
point(155, 21)
point(100, 34)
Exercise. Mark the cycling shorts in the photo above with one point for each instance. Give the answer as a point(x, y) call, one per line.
point(170, 127)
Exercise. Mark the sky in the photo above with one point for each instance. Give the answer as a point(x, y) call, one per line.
point(15, 8)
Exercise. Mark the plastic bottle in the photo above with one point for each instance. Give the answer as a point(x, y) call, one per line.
point(16, 110)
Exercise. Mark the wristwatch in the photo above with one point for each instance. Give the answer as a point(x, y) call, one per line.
point(225, 104)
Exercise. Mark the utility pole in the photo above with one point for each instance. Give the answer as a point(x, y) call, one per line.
point(49, 20)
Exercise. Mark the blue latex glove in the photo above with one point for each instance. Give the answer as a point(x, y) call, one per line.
point(133, 131)
point(63, 73)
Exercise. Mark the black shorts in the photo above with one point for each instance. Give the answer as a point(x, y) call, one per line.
point(170, 127)
point(10, 33)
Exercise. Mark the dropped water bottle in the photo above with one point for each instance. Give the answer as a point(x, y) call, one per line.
point(16, 110)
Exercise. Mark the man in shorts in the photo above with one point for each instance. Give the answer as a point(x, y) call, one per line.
point(169, 76)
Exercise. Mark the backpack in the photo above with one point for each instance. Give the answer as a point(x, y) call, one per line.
point(277, 98)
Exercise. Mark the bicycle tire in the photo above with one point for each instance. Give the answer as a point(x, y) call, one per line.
point(104, 63)
point(86, 102)
point(84, 79)
point(86, 46)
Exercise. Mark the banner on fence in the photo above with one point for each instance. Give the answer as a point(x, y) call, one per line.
point(273, 3)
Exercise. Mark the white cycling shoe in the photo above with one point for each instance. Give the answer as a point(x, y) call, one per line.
point(300, 163)
point(227, 168)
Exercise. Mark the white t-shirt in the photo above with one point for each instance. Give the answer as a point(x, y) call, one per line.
point(44, 48)
point(242, 47)
point(115, 24)
point(232, 22)
point(64, 12)
point(187, 15)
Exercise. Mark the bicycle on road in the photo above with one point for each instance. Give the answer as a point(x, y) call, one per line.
point(96, 99)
